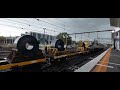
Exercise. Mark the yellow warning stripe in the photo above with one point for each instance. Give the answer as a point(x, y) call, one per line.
point(101, 67)
point(8, 66)
point(55, 57)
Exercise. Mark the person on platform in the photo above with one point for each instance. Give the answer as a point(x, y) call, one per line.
point(83, 45)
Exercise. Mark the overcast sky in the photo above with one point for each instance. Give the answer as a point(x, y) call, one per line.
point(16, 26)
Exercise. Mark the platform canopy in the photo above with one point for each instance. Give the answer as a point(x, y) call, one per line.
point(115, 22)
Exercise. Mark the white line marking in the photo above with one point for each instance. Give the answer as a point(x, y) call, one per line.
point(88, 66)
point(105, 66)
point(115, 55)
point(111, 63)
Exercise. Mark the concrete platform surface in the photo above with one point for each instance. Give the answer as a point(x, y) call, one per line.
point(114, 61)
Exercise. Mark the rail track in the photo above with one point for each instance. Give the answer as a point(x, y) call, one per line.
point(4, 54)
point(72, 63)
point(64, 65)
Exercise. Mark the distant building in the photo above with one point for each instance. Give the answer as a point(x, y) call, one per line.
point(40, 37)
point(8, 40)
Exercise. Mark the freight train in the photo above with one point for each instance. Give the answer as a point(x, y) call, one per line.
point(27, 52)
point(95, 47)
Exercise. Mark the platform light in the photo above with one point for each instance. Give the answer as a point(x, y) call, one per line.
point(113, 31)
point(117, 29)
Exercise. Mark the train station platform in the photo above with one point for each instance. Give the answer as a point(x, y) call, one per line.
point(114, 62)
point(108, 61)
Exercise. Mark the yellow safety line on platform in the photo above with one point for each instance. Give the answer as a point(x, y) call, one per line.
point(101, 67)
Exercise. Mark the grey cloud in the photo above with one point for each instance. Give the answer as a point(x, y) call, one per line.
point(69, 25)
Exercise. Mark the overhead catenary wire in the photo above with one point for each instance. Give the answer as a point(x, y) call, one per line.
point(63, 27)
point(92, 32)
point(49, 23)
point(34, 29)
point(71, 26)
point(43, 27)
point(90, 27)
point(39, 27)
point(35, 26)
point(26, 29)
point(54, 24)
point(80, 25)
point(6, 21)
point(31, 25)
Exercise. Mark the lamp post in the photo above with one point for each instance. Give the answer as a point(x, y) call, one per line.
point(114, 39)
point(44, 35)
point(75, 37)
point(66, 40)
